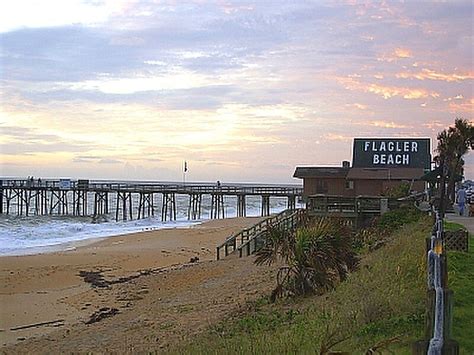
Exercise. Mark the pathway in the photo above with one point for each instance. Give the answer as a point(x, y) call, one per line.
point(467, 222)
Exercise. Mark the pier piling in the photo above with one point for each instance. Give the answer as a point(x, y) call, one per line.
point(64, 196)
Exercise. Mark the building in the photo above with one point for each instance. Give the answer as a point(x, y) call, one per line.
point(378, 165)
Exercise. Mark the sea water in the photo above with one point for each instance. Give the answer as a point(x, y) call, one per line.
point(21, 235)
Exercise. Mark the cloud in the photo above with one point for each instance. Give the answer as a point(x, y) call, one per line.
point(24, 13)
point(396, 54)
point(35, 148)
point(337, 137)
point(387, 124)
point(176, 80)
point(386, 91)
point(464, 106)
point(358, 106)
point(427, 74)
point(149, 83)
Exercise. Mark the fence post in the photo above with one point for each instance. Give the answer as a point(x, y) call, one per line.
point(437, 341)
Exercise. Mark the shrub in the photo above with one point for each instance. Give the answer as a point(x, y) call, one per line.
point(394, 219)
point(316, 257)
point(376, 235)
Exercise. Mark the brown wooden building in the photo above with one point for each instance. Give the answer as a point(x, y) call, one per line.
point(379, 164)
point(323, 180)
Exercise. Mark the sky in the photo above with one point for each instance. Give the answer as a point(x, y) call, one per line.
point(244, 91)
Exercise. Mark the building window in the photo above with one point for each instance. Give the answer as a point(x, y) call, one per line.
point(350, 184)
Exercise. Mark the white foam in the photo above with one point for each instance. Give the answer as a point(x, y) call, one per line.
point(40, 234)
point(21, 235)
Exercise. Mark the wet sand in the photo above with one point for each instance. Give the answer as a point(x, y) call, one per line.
point(46, 298)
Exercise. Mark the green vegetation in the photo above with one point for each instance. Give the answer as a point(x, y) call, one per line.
point(316, 257)
point(377, 235)
point(393, 220)
point(461, 281)
point(452, 226)
point(401, 190)
point(453, 144)
point(380, 306)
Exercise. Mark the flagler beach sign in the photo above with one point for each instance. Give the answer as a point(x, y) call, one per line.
point(391, 152)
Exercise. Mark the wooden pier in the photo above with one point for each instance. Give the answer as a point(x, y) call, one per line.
point(130, 200)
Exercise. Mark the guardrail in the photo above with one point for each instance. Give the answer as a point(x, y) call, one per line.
point(236, 241)
point(438, 321)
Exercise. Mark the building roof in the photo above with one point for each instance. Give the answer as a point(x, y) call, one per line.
point(385, 173)
point(320, 172)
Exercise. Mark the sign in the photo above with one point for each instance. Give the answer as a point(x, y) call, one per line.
point(391, 152)
point(64, 184)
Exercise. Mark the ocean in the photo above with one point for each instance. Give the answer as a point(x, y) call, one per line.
point(21, 235)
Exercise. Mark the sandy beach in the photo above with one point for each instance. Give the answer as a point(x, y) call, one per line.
point(115, 293)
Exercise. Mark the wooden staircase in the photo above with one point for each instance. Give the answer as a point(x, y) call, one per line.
point(250, 240)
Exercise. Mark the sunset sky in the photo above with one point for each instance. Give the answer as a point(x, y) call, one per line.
point(242, 91)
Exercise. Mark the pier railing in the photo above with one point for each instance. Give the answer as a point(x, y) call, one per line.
point(151, 187)
point(247, 240)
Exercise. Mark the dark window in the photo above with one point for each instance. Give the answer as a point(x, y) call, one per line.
point(350, 184)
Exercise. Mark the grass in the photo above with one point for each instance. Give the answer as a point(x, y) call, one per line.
point(452, 226)
point(380, 305)
point(461, 281)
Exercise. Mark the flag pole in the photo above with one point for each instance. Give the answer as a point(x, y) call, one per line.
point(184, 172)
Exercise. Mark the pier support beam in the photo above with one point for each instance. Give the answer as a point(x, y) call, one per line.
point(194, 208)
point(23, 201)
point(145, 205)
point(9, 196)
point(241, 207)
point(28, 196)
point(40, 201)
point(265, 205)
point(217, 206)
point(101, 203)
point(291, 202)
point(79, 203)
point(1, 196)
point(60, 204)
point(168, 208)
point(124, 198)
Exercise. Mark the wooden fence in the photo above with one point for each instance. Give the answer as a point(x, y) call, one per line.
point(439, 305)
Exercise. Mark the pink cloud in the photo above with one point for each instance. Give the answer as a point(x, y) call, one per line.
point(462, 106)
point(386, 92)
point(337, 137)
point(427, 74)
point(396, 54)
point(385, 124)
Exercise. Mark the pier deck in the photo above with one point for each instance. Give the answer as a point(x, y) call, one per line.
point(65, 196)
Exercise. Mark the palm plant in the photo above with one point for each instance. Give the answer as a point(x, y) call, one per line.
point(453, 144)
point(315, 257)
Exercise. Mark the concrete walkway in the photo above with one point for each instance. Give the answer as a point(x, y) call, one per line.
point(467, 222)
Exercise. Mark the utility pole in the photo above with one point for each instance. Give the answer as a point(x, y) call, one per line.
point(442, 195)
